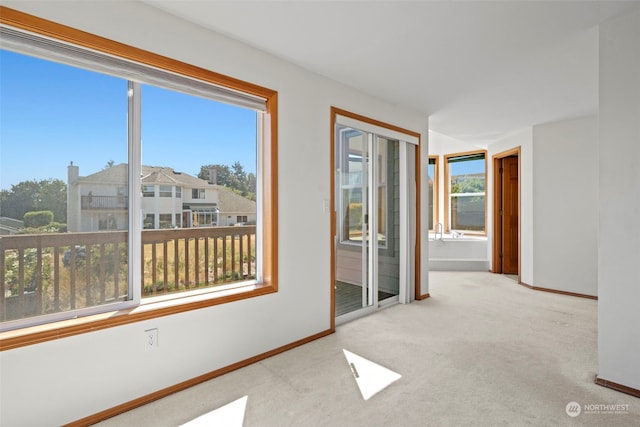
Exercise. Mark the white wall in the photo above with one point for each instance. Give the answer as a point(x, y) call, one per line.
point(67, 379)
point(440, 144)
point(619, 193)
point(565, 176)
point(524, 140)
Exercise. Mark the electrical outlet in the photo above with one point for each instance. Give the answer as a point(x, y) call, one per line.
point(151, 339)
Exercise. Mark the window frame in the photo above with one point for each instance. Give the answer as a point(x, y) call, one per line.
point(148, 190)
point(198, 194)
point(436, 189)
point(447, 191)
point(267, 200)
point(165, 191)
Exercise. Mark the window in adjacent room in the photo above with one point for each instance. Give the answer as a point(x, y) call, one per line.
point(466, 192)
point(432, 171)
point(352, 162)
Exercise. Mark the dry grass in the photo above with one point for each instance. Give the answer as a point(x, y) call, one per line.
point(210, 262)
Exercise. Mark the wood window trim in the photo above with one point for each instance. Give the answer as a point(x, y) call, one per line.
point(447, 202)
point(182, 303)
point(67, 328)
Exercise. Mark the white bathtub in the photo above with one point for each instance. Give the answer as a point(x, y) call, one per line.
point(467, 253)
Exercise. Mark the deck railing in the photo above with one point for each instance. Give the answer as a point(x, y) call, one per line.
point(104, 202)
point(50, 273)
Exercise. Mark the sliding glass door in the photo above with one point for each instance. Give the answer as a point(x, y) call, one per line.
point(367, 195)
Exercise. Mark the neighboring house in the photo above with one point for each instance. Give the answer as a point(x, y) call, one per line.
point(170, 199)
point(10, 226)
point(234, 209)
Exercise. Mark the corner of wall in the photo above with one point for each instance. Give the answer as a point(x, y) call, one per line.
point(619, 229)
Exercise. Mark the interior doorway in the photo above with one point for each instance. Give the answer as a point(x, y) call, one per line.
point(506, 213)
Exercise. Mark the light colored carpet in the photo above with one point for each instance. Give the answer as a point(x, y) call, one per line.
point(483, 351)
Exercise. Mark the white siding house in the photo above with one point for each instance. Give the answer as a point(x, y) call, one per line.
point(170, 199)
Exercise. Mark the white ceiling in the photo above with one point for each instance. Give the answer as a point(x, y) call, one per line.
point(478, 69)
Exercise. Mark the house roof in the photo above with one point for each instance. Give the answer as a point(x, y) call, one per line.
point(10, 225)
point(228, 201)
point(161, 175)
point(168, 176)
point(116, 174)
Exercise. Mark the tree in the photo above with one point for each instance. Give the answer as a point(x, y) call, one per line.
point(223, 173)
point(27, 196)
point(251, 186)
point(468, 184)
point(240, 178)
point(234, 178)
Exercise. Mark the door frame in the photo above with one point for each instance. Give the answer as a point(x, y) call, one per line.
point(334, 235)
point(496, 266)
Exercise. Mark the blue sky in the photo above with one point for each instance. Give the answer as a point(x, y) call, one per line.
point(463, 168)
point(468, 167)
point(52, 114)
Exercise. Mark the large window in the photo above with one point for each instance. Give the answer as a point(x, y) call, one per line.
point(466, 190)
point(80, 226)
point(59, 122)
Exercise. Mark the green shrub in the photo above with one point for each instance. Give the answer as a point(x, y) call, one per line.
point(54, 227)
point(38, 218)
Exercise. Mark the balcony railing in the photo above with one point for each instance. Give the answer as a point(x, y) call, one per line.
point(104, 202)
point(51, 273)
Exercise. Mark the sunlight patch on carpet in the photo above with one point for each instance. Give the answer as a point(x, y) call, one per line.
point(229, 415)
point(370, 377)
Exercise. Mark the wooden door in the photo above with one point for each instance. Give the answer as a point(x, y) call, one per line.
point(509, 218)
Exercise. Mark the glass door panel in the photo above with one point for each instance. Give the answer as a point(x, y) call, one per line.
point(387, 260)
point(352, 204)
